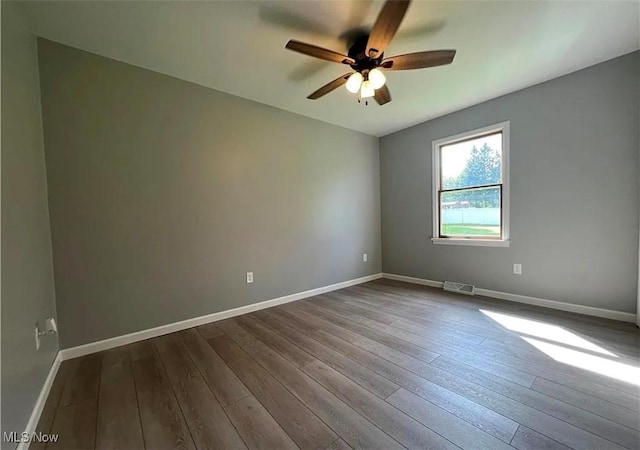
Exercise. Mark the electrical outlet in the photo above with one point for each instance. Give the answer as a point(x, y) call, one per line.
point(517, 269)
point(249, 277)
point(365, 258)
point(37, 333)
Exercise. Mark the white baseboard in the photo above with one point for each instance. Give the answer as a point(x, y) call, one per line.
point(42, 399)
point(422, 281)
point(94, 347)
point(562, 306)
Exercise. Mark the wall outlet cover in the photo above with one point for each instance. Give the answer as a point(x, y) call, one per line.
point(249, 277)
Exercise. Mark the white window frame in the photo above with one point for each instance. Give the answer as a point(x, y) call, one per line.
point(435, 176)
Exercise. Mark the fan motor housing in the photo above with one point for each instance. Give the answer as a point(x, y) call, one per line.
point(357, 51)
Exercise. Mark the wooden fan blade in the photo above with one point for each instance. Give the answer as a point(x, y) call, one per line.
point(420, 60)
point(318, 52)
point(386, 26)
point(382, 95)
point(335, 84)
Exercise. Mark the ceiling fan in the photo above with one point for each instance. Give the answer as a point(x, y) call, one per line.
point(366, 57)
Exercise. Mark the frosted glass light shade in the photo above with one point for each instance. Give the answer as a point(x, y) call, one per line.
point(377, 78)
point(367, 90)
point(354, 82)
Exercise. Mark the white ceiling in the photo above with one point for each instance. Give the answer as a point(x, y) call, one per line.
point(238, 47)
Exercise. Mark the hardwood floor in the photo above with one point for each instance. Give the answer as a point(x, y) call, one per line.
point(380, 365)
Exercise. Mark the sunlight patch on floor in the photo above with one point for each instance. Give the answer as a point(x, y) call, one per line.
point(544, 331)
point(587, 361)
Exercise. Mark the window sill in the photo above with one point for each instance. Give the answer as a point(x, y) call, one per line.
point(472, 242)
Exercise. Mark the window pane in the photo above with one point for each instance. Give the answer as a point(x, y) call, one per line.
point(471, 212)
point(475, 162)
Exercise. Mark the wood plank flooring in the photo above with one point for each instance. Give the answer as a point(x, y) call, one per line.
point(379, 365)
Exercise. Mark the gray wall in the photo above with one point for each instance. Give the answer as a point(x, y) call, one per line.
point(574, 192)
point(163, 194)
point(27, 270)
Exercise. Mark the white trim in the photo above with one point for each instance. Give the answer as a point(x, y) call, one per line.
point(42, 399)
point(473, 242)
point(94, 347)
point(503, 127)
point(553, 304)
point(406, 279)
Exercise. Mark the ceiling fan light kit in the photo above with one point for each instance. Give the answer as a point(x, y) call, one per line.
point(354, 82)
point(366, 84)
point(377, 78)
point(367, 90)
point(366, 57)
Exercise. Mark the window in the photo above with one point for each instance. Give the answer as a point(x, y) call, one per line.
point(471, 188)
